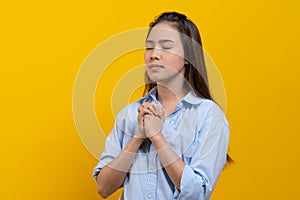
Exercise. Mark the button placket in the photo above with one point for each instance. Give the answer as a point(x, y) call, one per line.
point(152, 174)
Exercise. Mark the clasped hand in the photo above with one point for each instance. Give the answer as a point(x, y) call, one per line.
point(150, 118)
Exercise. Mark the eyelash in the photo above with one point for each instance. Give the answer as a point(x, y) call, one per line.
point(165, 48)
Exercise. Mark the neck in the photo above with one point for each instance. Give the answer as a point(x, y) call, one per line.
point(166, 94)
point(171, 91)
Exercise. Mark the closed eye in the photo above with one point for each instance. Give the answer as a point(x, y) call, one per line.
point(166, 47)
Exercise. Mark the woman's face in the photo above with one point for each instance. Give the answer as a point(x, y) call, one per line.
point(164, 55)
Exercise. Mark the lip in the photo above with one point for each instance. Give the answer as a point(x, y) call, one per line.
point(155, 67)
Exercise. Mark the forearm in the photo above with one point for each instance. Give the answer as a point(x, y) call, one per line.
point(111, 176)
point(169, 159)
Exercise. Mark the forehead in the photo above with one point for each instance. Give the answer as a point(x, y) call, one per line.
point(163, 31)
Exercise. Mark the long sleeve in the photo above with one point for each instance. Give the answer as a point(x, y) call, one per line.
point(205, 166)
point(113, 147)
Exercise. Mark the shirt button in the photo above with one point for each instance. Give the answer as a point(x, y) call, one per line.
point(183, 109)
point(152, 167)
point(149, 196)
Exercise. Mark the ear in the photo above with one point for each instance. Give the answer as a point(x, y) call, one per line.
point(186, 63)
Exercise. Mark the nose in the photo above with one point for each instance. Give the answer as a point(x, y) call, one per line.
point(155, 54)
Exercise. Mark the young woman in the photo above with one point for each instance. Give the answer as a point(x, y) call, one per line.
point(172, 143)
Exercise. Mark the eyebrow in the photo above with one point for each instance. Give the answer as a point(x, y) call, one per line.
point(160, 41)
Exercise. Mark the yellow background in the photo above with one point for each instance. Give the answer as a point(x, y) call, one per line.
point(43, 43)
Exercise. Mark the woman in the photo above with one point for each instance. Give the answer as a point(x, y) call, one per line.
point(172, 143)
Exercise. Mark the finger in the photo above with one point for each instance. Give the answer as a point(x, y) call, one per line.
point(153, 110)
point(140, 117)
point(145, 104)
point(150, 109)
point(162, 113)
point(156, 108)
point(142, 111)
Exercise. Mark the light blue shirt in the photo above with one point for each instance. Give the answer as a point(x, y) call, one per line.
point(197, 131)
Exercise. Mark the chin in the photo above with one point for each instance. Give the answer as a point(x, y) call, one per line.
point(155, 78)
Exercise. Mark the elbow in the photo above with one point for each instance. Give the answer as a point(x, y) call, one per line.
point(103, 192)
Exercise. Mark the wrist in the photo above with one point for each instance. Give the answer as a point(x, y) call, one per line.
point(139, 134)
point(138, 138)
point(156, 137)
point(134, 144)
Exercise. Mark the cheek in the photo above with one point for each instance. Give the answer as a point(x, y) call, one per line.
point(176, 59)
point(176, 54)
point(146, 57)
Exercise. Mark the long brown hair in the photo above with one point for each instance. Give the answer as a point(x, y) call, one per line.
point(195, 69)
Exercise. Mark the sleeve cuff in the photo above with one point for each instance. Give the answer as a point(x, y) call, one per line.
point(192, 185)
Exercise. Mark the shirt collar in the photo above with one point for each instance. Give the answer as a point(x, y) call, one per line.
point(150, 97)
point(190, 98)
